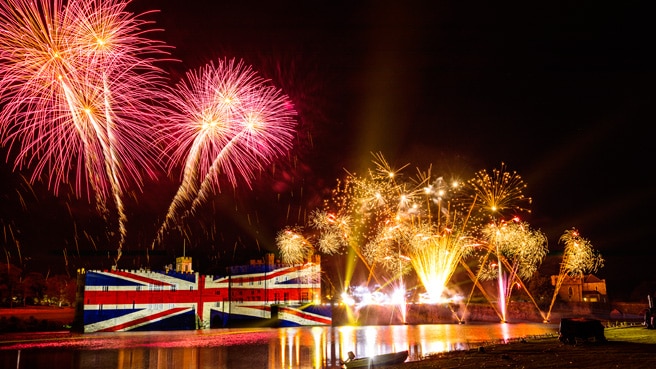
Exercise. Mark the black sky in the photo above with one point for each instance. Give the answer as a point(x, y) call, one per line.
point(561, 92)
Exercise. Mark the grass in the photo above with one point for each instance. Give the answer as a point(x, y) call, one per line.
point(627, 347)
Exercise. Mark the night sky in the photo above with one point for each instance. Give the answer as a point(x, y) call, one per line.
point(562, 93)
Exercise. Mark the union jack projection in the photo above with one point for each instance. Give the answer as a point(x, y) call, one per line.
point(261, 292)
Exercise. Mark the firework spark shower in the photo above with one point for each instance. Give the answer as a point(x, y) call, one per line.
point(79, 88)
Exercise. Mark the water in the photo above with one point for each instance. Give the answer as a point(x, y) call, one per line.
point(290, 348)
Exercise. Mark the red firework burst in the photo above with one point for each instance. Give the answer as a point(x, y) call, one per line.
point(229, 122)
point(77, 84)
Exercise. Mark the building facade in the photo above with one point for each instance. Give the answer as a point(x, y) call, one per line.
point(261, 293)
point(587, 288)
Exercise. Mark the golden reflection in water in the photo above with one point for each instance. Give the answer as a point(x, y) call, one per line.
point(159, 358)
point(311, 347)
point(297, 346)
point(318, 339)
point(345, 340)
point(505, 331)
point(370, 334)
point(272, 351)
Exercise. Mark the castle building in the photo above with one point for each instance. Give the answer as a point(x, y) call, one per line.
point(587, 288)
point(263, 292)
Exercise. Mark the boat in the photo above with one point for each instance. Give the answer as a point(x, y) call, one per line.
point(384, 359)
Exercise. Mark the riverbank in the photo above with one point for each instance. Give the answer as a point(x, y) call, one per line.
point(36, 319)
point(627, 347)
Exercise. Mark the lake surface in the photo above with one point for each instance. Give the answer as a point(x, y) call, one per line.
point(273, 348)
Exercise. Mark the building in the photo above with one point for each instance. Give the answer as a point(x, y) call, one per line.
point(587, 288)
point(263, 292)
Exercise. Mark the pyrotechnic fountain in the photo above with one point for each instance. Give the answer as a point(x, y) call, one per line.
point(435, 258)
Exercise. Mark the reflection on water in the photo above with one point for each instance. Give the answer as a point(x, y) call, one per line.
point(292, 348)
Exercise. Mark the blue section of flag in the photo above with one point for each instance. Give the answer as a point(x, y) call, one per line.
point(288, 324)
point(189, 277)
point(95, 316)
point(97, 279)
point(323, 310)
point(178, 322)
point(230, 320)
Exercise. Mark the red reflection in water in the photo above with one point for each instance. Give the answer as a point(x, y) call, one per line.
point(303, 347)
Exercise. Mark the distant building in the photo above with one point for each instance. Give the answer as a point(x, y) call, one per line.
point(587, 288)
point(183, 264)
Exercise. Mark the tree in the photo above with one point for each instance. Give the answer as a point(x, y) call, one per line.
point(33, 287)
point(9, 282)
point(60, 290)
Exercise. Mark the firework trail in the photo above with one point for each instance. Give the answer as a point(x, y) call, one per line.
point(78, 85)
point(227, 122)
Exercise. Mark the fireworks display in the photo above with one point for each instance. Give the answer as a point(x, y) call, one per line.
point(396, 225)
point(227, 122)
point(86, 105)
point(393, 225)
point(78, 88)
point(521, 248)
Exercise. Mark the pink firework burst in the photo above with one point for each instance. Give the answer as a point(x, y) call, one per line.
point(229, 123)
point(79, 91)
point(78, 82)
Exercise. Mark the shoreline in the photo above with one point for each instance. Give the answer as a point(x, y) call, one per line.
point(629, 345)
point(626, 347)
point(36, 319)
